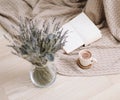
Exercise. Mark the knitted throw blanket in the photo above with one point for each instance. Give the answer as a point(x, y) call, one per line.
point(106, 50)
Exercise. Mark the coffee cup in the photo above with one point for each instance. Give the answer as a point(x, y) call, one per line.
point(86, 58)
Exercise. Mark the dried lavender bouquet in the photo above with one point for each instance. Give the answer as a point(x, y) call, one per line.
point(38, 46)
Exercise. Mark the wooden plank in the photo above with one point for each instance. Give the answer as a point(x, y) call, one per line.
point(3, 95)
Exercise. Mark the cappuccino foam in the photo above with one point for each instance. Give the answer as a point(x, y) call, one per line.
point(86, 55)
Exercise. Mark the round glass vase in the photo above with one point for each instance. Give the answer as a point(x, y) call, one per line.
point(43, 76)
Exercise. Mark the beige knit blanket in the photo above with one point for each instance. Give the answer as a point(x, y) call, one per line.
point(106, 50)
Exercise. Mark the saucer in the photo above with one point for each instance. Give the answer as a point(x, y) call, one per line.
point(81, 66)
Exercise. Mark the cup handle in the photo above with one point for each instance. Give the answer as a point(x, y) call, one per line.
point(93, 60)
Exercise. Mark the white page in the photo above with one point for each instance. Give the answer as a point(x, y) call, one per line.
point(81, 31)
point(85, 28)
point(73, 39)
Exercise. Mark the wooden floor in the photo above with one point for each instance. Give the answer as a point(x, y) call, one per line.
point(15, 82)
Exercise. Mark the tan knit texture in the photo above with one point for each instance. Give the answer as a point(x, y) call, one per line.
point(112, 12)
point(105, 50)
point(94, 9)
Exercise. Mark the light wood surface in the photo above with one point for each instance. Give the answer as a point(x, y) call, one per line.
point(15, 82)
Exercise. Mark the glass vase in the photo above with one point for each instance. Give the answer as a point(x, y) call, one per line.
point(43, 76)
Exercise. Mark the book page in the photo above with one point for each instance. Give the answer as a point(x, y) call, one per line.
point(81, 31)
point(73, 40)
point(85, 28)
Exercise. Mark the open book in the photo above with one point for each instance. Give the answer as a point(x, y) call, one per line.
point(81, 31)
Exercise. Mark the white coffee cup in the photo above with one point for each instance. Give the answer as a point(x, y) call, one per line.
point(85, 58)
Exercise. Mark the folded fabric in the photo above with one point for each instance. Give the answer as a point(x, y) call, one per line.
point(105, 50)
